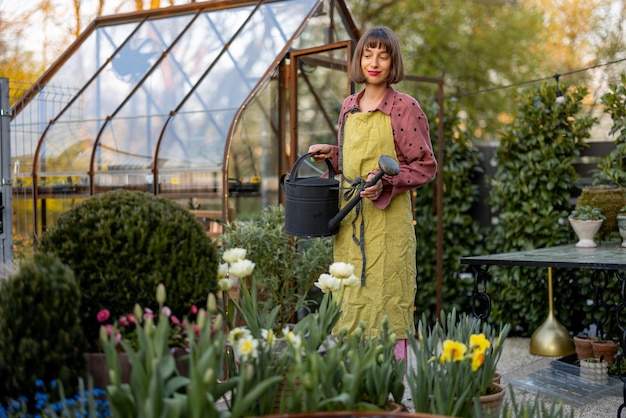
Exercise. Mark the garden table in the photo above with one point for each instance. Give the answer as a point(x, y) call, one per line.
point(552, 337)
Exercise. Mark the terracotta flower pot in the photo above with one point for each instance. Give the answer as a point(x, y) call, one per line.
point(606, 348)
point(492, 402)
point(96, 367)
point(497, 378)
point(583, 347)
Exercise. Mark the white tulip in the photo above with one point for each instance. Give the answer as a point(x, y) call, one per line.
point(341, 270)
point(234, 254)
point(241, 268)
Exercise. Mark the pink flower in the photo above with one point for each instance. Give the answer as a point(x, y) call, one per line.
point(194, 309)
point(118, 338)
point(131, 318)
point(123, 321)
point(109, 329)
point(103, 315)
point(175, 320)
point(166, 311)
point(148, 314)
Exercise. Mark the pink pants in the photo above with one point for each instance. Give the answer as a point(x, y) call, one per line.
point(400, 349)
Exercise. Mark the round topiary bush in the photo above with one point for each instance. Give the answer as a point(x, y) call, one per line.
point(122, 244)
point(41, 336)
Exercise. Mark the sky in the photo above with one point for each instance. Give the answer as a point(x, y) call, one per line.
point(56, 30)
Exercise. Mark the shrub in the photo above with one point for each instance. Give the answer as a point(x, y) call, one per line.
point(463, 235)
point(531, 194)
point(286, 266)
point(41, 338)
point(122, 244)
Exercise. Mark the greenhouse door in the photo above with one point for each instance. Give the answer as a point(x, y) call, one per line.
point(6, 195)
point(319, 82)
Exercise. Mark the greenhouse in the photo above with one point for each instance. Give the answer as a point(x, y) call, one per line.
point(206, 103)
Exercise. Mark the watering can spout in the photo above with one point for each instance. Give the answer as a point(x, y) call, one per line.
point(388, 166)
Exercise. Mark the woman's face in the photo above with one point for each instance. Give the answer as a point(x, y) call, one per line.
point(375, 64)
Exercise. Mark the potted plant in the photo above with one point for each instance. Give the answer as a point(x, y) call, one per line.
point(248, 370)
point(456, 362)
point(285, 266)
point(124, 329)
point(609, 177)
point(586, 222)
point(595, 369)
point(605, 349)
point(352, 372)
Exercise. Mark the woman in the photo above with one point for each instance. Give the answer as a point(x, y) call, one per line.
point(378, 236)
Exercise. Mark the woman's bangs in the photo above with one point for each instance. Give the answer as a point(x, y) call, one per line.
point(378, 43)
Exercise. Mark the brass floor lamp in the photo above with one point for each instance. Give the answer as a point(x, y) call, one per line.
point(551, 338)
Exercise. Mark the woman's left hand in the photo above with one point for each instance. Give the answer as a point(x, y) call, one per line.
point(372, 192)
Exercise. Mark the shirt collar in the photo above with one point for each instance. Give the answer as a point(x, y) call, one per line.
point(385, 104)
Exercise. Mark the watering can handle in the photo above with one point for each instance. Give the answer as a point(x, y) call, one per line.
point(294, 170)
point(296, 166)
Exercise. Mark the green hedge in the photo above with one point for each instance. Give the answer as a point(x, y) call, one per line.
point(121, 244)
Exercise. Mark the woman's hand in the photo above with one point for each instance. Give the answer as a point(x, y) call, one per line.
point(321, 152)
point(372, 192)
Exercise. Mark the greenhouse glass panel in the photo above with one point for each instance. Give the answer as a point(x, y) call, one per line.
point(195, 102)
point(205, 119)
point(78, 126)
point(168, 83)
point(63, 89)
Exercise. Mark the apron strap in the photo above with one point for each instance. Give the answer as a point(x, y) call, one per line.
point(355, 186)
point(350, 111)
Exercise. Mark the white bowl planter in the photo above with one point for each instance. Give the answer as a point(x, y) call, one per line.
point(595, 370)
point(586, 231)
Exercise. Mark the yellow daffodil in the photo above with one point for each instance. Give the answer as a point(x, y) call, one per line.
point(478, 358)
point(237, 334)
point(479, 343)
point(453, 351)
point(294, 339)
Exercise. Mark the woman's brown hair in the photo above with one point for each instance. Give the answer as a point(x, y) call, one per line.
point(378, 37)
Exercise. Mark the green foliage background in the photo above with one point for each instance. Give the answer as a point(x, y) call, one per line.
point(462, 234)
point(532, 195)
point(285, 267)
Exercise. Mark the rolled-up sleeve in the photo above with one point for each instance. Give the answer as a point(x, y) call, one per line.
point(413, 146)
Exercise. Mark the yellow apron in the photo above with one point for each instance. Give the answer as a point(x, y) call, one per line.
point(388, 240)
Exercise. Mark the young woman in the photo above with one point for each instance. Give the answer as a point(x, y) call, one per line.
point(378, 236)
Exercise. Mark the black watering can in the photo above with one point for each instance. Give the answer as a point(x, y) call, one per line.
point(312, 203)
point(309, 201)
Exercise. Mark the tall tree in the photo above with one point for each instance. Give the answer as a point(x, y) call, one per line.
point(479, 47)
